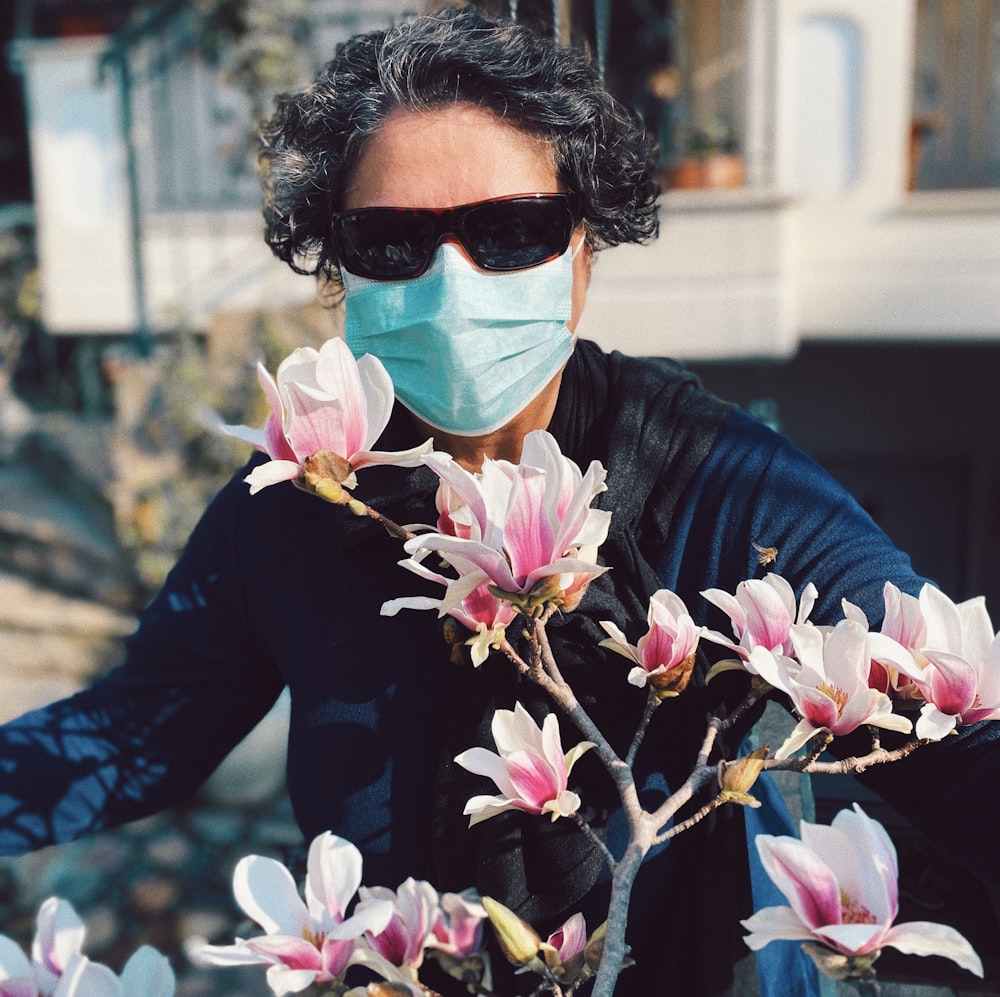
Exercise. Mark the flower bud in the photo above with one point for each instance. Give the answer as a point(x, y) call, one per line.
point(736, 777)
point(518, 940)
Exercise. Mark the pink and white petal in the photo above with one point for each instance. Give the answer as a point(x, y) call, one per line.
point(775, 924)
point(594, 530)
point(855, 613)
point(639, 677)
point(333, 875)
point(59, 935)
point(768, 614)
point(480, 808)
point(803, 877)
point(888, 651)
point(516, 730)
point(945, 630)
point(293, 952)
point(731, 606)
point(571, 939)
point(552, 748)
point(928, 938)
point(461, 589)
point(266, 891)
point(479, 761)
point(951, 683)
point(771, 667)
point(369, 915)
point(802, 732)
point(337, 955)
point(316, 423)
point(337, 376)
point(466, 555)
point(933, 725)
point(462, 483)
point(283, 980)
point(617, 641)
point(401, 458)
point(528, 530)
point(863, 858)
point(852, 938)
point(271, 473)
point(533, 779)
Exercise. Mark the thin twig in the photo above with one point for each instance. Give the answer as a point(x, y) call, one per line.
point(691, 821)
point(647, 714)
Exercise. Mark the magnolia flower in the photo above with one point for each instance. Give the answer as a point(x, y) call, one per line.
point(828, 685)
point(762, 611)
point(664, 656)
point(564, 948)
point(59, 969)
point(458, 928)
point(414, 910)
point(304, 943)
point(485, 614)
point(842, 884)
point(904, 623)
point(530, 771)
point(532, 535)
point(324, 403)
point(958, 669)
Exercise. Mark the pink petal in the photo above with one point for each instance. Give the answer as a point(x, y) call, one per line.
point(775, 924)
point(803, 877)
point(528, 533)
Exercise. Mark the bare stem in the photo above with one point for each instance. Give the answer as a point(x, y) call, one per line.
point(877, 756)
point(589, 832)
point(647, 714)
point(691, 821)
point(751, 698)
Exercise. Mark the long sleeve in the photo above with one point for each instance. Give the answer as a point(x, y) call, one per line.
point(756, 488)
point(193, 683)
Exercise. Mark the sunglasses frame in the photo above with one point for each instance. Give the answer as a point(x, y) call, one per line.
point(451, 221)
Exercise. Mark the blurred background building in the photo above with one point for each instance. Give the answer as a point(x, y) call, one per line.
point(829, 257)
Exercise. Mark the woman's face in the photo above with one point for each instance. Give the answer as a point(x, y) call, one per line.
point(456, 155)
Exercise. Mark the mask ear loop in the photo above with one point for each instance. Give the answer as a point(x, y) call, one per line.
point(573, 253)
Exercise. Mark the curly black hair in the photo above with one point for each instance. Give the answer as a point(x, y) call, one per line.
point(312, 144)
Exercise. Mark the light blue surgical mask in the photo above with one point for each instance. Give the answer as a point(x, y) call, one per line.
point(466, 350)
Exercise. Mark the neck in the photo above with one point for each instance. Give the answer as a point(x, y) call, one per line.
point(504, 443)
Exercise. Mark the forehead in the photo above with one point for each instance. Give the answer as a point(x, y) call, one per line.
point(449, 155)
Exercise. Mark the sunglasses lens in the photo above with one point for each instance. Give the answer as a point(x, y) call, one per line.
point(509, 233)
point(385, 244)
point(517, 233)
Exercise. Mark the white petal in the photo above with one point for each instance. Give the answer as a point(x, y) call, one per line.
point(264, 888)
point(927, 938)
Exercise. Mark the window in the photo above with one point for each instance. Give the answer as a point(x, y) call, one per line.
point(955, 131)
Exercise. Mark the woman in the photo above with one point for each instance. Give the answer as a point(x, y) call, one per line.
point(458, 176)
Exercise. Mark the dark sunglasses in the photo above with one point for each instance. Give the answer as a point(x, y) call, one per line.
point(502, 233)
